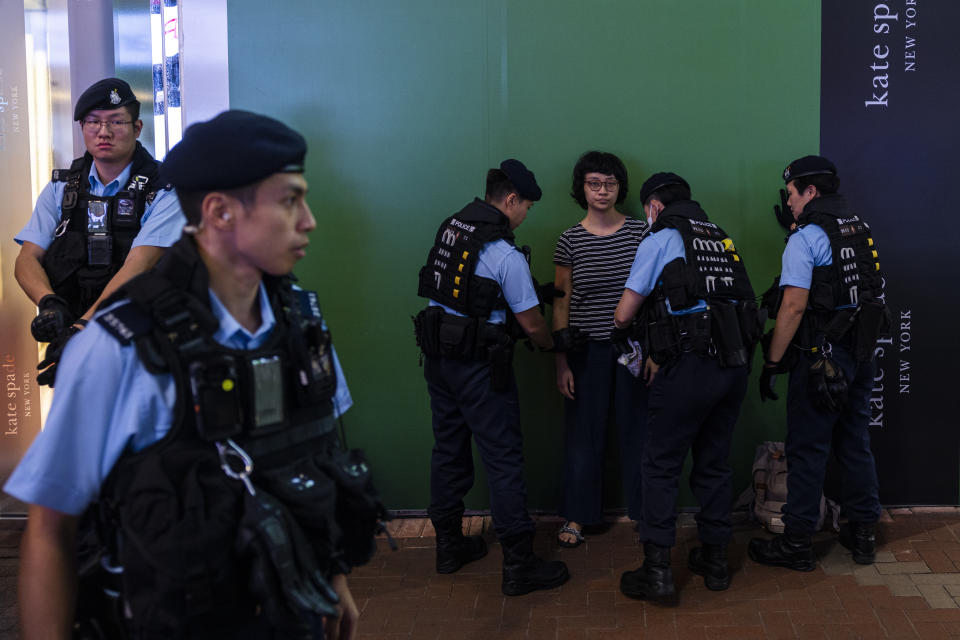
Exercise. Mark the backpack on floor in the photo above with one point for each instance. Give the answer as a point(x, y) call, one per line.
point(769, 490)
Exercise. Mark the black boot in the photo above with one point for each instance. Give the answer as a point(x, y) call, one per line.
point(710, 561)
point(654, 579)
point(524, 571)
point(861, 539)
point(790, 550)
point(453, 548)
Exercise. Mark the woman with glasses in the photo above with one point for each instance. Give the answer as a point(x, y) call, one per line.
point(592, 261)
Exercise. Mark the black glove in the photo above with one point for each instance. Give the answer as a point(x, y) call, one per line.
point(284, 575)
point(768, 379)
point(619, 339)
point(783, 212)
point(48, 366)
point(827, 386)
point(568, 339)
point(54, 315)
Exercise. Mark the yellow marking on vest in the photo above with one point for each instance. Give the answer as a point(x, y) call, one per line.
point(736, 258)
point(456, 293)
point(728, 245)
point(227, 385)
point(460, 268)
point(875, 254)
point(465, 254)
point(869, 242)
point(878, 266)
point(456, 280)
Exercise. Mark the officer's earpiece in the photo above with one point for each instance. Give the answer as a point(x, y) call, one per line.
point(225, 215)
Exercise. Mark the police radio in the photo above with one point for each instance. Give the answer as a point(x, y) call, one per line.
point(320, 380)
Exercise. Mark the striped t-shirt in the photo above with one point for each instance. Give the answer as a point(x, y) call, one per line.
point(600, 266)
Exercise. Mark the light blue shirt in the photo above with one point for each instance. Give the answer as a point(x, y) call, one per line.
point(500, 261)
point(655, 252)
point(107, 403)
point(807, 248)
point(160, 226)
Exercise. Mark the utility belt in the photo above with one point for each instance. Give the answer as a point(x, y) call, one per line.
point(463, 338)
point(859, 328)
point(728, 331)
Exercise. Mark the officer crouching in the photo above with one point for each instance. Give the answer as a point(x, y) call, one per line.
point(479, 285)
point(698, 323)
point(830, 313)
point(206, 391)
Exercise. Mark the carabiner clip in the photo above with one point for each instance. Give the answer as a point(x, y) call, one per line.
point(246, 463)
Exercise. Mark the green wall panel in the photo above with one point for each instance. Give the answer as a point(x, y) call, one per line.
point(405, 106)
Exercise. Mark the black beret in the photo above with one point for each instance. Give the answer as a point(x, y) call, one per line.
point(109, 93)
point(808, 166)
point(658, 181)
point(234, 149)
point(522, 178)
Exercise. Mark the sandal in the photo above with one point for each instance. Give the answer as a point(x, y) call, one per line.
point(566, 528)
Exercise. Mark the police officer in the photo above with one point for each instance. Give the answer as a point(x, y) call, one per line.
point(477, 280)
point(830, 315)
point(95, 225)
point(698, 317)
point(207, 433)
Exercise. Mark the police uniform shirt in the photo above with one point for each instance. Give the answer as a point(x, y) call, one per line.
point(106, 403)
point(500, 261)
point(161, 224)
point(655, 252)
point(807, 248)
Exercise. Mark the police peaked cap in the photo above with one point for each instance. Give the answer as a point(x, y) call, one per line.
point(109, 93)
point(658, 181)
point(522, 178)
point(234, 149)
point(808, 166)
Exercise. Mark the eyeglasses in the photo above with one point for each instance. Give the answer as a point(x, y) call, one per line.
point(611, 185)
point(93, 126)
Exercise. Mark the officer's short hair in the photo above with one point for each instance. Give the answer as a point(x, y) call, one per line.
point(499, 186)
point(191, 200)
point(826, 184)
point(134, 110)
point(598, 162)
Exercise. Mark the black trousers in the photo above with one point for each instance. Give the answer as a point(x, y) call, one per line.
point(693, 406)
point(810, 435)
point(464, 406)
point(601, 387)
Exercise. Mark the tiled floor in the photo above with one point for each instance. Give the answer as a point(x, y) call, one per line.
point(911, 592)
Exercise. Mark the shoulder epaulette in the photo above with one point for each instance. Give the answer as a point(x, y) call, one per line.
point(126, 322)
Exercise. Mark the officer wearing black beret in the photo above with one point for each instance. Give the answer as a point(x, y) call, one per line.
point(481, 298)
point(697, 322)
point(97, 224)
point(216, 386)
point(830, 312)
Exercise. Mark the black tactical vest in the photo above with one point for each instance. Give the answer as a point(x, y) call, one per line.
point(448, 277)
point(855, 271)
point(176, 513)
point(847, 298)
point(95, 233)
point(712, 270)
